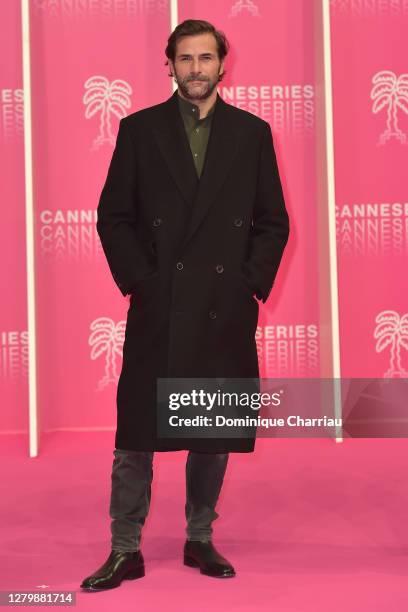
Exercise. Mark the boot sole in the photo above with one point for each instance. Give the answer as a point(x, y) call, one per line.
point(138, 572)
point(190, 562)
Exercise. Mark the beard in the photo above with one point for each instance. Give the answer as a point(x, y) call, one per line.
point(196, 92)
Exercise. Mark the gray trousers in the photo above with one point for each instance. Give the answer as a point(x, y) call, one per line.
point(132, 475)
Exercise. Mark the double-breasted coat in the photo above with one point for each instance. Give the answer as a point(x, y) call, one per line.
point(195, 254)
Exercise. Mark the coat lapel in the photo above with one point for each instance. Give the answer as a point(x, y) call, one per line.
point(173, 143)
point(222, 148)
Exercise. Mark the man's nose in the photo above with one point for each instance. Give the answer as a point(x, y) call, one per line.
point(195, 66)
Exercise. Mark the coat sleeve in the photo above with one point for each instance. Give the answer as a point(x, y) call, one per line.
point(116, 217)
point(270, 229)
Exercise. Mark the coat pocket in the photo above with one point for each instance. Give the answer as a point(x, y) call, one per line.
point(143, 288)
point(145, 279)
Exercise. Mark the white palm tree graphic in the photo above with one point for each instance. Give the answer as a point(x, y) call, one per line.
point(107, 337)
point(390, 92)
point(106, 98)
point(241, 5)
point(392, 330)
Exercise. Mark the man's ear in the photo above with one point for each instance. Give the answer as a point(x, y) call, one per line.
point(221, 70)
point(171, 67)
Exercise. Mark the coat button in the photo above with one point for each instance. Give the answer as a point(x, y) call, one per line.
point(219, 268)
point(179, 265)
point(212, 314)
point(238, 222)
point(157, 221)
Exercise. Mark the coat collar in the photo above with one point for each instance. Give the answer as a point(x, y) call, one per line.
point(188, 108)
point(222, 147)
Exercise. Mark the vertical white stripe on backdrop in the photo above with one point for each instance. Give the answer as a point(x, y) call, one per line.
point(29, 218)
point(331, 203)
point(173, 24)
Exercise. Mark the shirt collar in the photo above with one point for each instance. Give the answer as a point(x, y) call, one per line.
point(193, 110)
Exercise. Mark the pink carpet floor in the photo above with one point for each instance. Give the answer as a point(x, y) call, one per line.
point(310, 525)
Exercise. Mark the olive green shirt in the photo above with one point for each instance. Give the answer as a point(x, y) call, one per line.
point(197, 130)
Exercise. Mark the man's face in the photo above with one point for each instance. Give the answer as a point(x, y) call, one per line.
point(197, 66)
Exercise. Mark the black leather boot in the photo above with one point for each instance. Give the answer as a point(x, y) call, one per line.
point(119, 566)
point(207, 558)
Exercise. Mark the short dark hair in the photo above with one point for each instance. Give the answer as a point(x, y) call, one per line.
point(193, 27)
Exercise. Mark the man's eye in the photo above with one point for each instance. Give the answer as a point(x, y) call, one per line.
point(187, 59)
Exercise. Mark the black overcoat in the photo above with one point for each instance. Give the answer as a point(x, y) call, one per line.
point(195, 254)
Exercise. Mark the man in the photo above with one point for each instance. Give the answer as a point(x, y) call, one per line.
point(193, 224)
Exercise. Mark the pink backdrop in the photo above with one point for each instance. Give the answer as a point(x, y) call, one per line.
point(93, 63)
point(13, 310)
point(370, 83)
